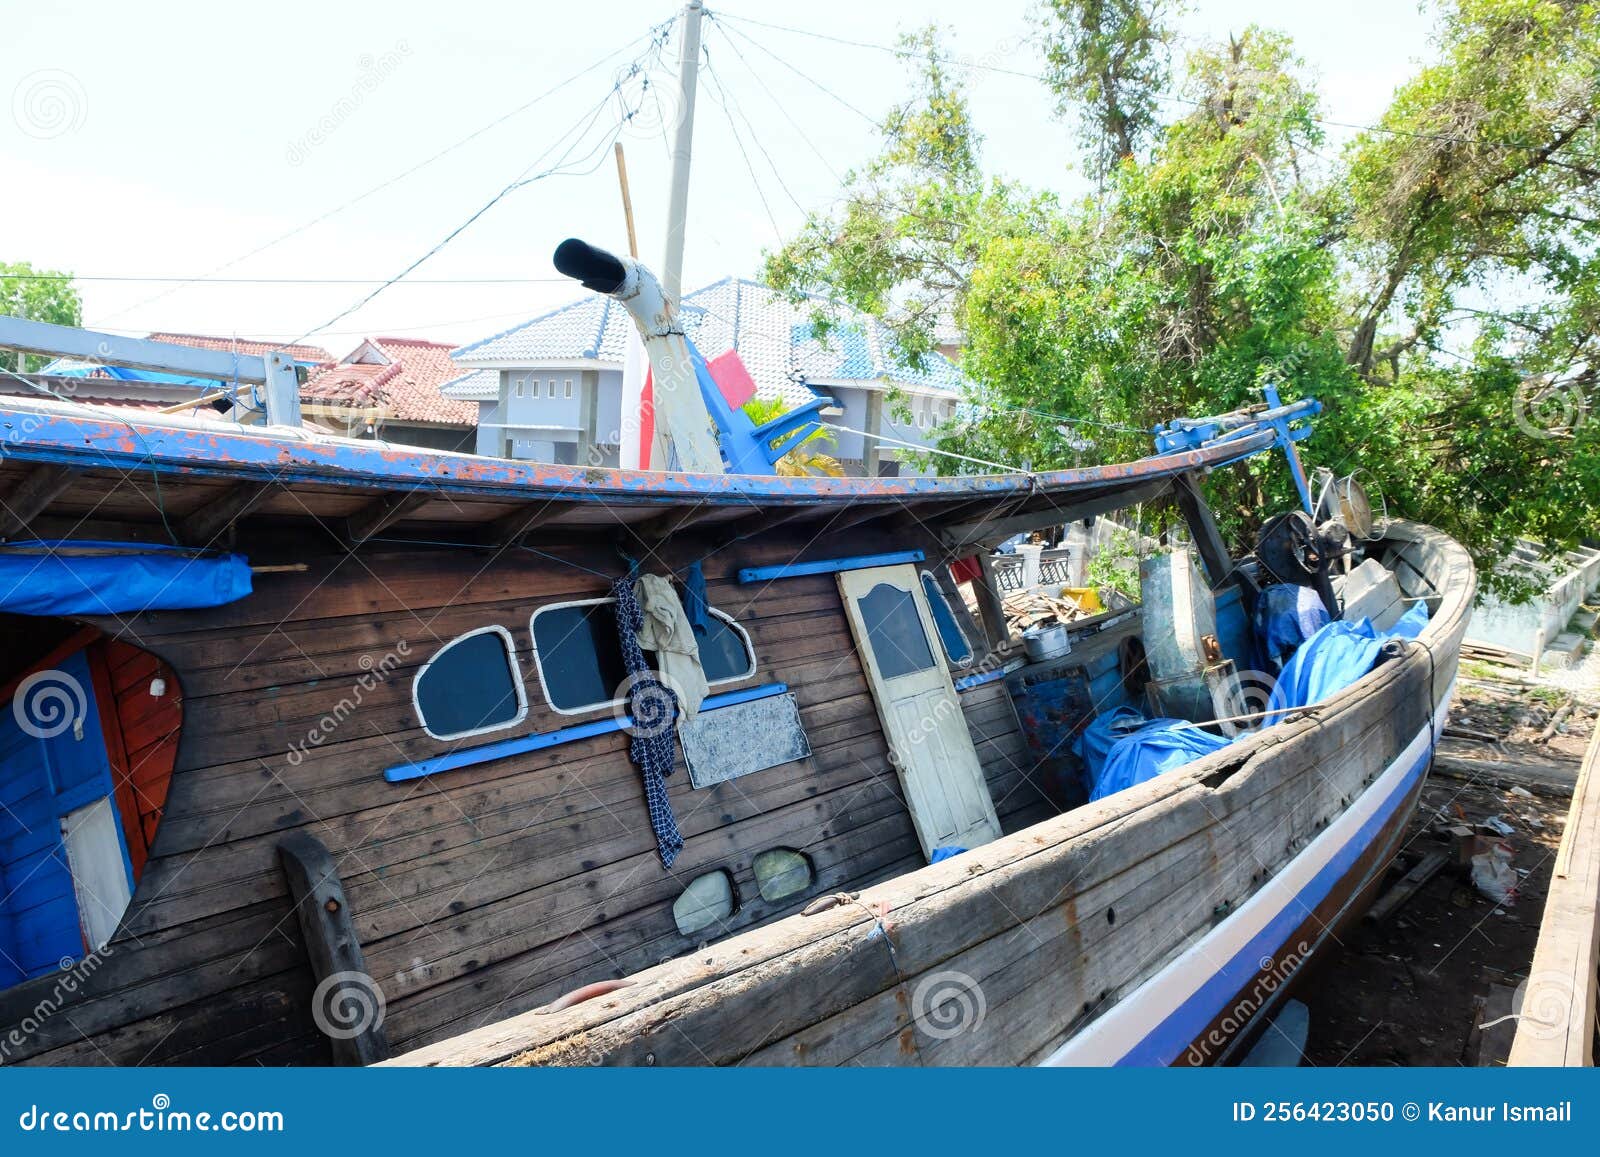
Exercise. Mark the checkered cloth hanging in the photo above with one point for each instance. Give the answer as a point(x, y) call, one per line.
point(653, 707)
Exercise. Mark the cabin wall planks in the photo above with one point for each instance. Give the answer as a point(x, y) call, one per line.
point(486, 891)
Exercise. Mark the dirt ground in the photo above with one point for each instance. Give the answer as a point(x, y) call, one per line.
point(1415, 988)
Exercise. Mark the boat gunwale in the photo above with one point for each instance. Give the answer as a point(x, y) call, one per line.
point(55, 432)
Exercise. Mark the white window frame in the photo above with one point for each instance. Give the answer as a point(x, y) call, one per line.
point(544, 684)
point(516, 681)
point(566, 387)
point(972, 652)
point(518, 385)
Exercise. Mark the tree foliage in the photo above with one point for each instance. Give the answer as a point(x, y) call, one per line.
point(38, 295)
point(1434, 284)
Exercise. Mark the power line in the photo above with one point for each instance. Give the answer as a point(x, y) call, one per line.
point(655, 35)
point(577, 133)
point(909, 54)
point(781, 107)
point(805, 76)
point(155, 279)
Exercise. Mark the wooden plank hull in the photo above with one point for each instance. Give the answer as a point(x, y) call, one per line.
point(1158, 926)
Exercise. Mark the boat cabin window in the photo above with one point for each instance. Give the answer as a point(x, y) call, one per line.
point(471, 686)
point(956, 648)
point(781, 873)
point(709, 899)
point(579, 656)
point(894, 629)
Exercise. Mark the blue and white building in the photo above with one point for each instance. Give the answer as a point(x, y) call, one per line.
point(550, 389)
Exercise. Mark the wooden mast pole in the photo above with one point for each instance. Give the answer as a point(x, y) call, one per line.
point(627, 203)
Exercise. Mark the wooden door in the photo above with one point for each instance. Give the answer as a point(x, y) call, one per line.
point(928, 739)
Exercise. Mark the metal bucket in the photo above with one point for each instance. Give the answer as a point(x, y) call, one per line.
point(1045, 643)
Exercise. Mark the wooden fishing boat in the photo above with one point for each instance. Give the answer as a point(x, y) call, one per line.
point(386, 804)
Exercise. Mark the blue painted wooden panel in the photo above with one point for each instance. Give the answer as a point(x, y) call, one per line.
point(42, 777)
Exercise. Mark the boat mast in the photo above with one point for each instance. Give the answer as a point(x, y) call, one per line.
point(678, 199)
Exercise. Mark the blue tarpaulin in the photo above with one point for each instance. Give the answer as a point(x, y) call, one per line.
point(105, 578)
point(1122, 748)
point(1335, 657)
point(1287, 616)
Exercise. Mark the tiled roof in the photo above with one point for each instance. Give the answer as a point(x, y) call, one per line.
point(406, 387)
point(474, 386)
point(309, 354)
point(774, 336)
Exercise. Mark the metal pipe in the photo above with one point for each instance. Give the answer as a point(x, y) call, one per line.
point(685, 438)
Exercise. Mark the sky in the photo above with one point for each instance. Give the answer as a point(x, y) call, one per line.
point(296, 155)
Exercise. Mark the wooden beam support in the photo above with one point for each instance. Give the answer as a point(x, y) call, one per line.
point(28, 499)
point(759, 520)
point(509, 529)
point(1208, 539)
point(381, 512)
point(998, 529)
point(868, 513)
point(202, 527)
point(991, 605)
point(348, 1005)
point(657, 529)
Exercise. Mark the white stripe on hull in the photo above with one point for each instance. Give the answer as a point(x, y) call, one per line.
point(1140, 1028)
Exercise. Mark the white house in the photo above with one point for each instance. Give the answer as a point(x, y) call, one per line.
point(550, 389)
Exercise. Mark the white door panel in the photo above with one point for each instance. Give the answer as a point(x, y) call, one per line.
point(928, 738)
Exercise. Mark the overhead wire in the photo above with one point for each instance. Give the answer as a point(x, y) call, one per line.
point(577, 133)
point(980, 66)
point(655, 34)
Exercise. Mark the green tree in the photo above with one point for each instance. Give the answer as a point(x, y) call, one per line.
point(1435, 286)
point(38, 295)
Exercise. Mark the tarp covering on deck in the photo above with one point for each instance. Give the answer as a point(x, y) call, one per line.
point(1335, 657)
point(107, 578)
point(1121, 748)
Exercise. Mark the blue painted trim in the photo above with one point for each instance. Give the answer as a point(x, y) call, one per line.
point(1168, 1040)
point(968, 682)
point(756, 574)
point(51, 432)
point(521, 744)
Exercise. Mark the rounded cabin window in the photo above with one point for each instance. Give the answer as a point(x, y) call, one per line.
point(709, 899)
point(471, 686)
point(781, 873)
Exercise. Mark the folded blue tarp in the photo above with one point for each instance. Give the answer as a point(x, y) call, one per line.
point(1122, 748)
point(107, 578)
point(1335, 657)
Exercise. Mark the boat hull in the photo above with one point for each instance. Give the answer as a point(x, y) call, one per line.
point(1158, 926)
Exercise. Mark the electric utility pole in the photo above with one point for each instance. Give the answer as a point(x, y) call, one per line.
point(678, 202)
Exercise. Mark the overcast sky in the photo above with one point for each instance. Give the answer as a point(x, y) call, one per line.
point(168, 139)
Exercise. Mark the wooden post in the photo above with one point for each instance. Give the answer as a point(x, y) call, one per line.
point(353, 1001)
point(627, 203)
point(990, 604)
point(1208, 540)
